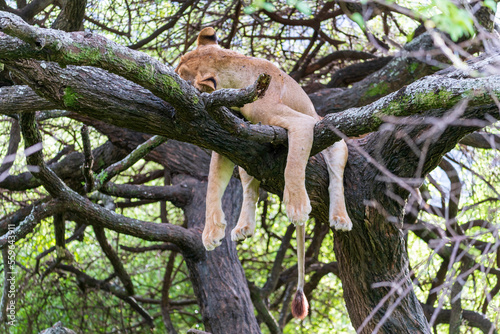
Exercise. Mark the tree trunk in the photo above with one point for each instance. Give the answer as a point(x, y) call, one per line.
point(373, 260)
point(218, 278)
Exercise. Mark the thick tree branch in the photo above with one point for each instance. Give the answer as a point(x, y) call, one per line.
point(474, 319)
point(11, 102)
point(178, 194)
point(420, 98)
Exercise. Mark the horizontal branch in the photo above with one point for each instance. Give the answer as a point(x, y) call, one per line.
point(432, 94)
point(429, 93)
point(11, 103)
point(473, 319)
point(160, 247)
point(178, 194)
point(435, 92)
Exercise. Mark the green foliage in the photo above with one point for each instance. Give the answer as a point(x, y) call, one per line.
point(256, 5)
point(301, 6)
point(457, 22)
point(358, 18)
point(491, 4)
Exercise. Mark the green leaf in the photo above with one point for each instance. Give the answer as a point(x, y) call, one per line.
point(455, 21)
point(491, 4)
point(303, 7)
point(249, 10)
point(268, 7)
point(358, 18)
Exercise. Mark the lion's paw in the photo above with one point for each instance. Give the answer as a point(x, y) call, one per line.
point(212, 239)
point(341, 223)
point(297, 206)
point(214, 232)
point(241, 233)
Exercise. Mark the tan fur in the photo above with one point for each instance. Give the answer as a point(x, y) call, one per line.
point(284, 104)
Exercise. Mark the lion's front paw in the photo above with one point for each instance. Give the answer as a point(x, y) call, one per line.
point(212, 238)
point(241, 232)
point(214, 232)
point(340, 223)
point(297, 206)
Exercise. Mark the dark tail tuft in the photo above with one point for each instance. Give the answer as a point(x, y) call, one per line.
point(300, 306)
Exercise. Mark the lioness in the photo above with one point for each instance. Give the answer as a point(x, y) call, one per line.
point(284, 104)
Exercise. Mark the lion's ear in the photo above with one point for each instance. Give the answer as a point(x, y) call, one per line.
point(206, 83)
point(207, 36)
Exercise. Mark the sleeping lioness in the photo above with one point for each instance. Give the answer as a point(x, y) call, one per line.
point(284, 104)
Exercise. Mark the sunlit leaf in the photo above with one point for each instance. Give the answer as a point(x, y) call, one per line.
point(358, 18)
point(303, 7)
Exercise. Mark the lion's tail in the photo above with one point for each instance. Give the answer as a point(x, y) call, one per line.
point(300, 306)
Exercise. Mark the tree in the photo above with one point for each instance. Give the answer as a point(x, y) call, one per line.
point(412, 117)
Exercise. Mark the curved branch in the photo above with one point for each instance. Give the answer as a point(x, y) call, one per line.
point(410, 100)
point(67, 169)
point(127, 162)
point(323, 14)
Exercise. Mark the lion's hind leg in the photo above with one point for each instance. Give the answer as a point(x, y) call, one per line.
point(336, 158)
point(246, 223)
point(221, 170)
